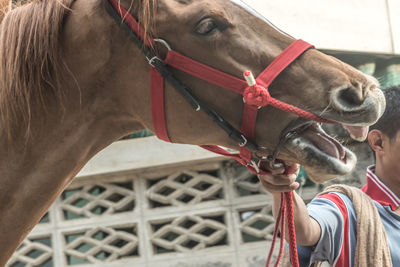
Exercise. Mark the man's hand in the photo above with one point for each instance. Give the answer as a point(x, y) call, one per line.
point(279, 180)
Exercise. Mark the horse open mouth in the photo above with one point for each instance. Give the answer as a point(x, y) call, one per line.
point(322, 155)
point(318, 139)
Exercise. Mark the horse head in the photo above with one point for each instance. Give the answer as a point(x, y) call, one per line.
point(230, 37)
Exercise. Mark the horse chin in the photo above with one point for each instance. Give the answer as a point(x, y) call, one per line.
point(323, 157)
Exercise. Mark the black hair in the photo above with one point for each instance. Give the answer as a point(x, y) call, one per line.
point(389, 123)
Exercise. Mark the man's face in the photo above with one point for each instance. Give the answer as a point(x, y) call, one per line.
point(391, 158)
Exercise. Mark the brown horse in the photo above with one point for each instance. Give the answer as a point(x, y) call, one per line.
point(71, 83)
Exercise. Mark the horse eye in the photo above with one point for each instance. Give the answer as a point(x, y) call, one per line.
point(206, 26)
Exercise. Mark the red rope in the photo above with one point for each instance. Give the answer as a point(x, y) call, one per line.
point(276, 230)
point(297, 111)
point(291, 230)
point(286, 207)
point(282, 243)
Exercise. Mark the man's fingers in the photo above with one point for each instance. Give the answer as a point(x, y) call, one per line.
point(280, 188)
point(278, 171)
point(279, 179)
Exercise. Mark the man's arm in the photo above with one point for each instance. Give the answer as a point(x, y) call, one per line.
point(308, 231)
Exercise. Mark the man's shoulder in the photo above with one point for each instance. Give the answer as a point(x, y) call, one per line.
point(336, 203)
point(336, 199)
point(345, 195)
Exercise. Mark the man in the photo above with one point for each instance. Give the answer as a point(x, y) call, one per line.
point(327, 229)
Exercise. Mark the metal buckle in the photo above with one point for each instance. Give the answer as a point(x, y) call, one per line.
point(163, 42)
point(244, 143)
point(151, 60)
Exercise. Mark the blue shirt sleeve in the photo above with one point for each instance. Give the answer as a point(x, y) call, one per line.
point(329, 217)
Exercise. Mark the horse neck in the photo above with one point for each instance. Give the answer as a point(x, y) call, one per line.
point(35, 171)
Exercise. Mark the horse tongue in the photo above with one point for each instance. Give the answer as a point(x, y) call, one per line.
point(358, 133)
point(326, 144)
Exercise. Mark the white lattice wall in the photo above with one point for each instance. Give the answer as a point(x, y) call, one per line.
point(208, 214)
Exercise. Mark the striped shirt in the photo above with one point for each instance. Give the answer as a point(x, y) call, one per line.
point(336, 215)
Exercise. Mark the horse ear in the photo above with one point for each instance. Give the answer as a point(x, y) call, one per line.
point(5, 6)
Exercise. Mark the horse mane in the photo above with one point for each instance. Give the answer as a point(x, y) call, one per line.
point(31, 62)
point(145, 11)
point(5, 6)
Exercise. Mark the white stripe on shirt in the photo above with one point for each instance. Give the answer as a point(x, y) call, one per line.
point(382, 186)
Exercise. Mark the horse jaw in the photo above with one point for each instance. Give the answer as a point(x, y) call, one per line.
point(323, 157)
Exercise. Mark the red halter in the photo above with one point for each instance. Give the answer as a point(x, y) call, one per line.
point(240, 86)
point(255, 95)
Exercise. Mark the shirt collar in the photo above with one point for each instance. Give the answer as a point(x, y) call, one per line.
point(378, 191)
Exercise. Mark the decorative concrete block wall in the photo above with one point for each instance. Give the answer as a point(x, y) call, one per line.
point(202, 214)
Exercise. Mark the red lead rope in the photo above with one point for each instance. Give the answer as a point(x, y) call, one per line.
point(279, 219)
point(288, 196)
point(286, 208)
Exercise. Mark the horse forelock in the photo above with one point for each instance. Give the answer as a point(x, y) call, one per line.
point(145, 10)
point(30, 61)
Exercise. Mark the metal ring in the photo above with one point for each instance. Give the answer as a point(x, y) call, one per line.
point(162, 41)
point(290, 134)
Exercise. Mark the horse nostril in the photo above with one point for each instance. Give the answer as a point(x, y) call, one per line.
point(350, 97)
